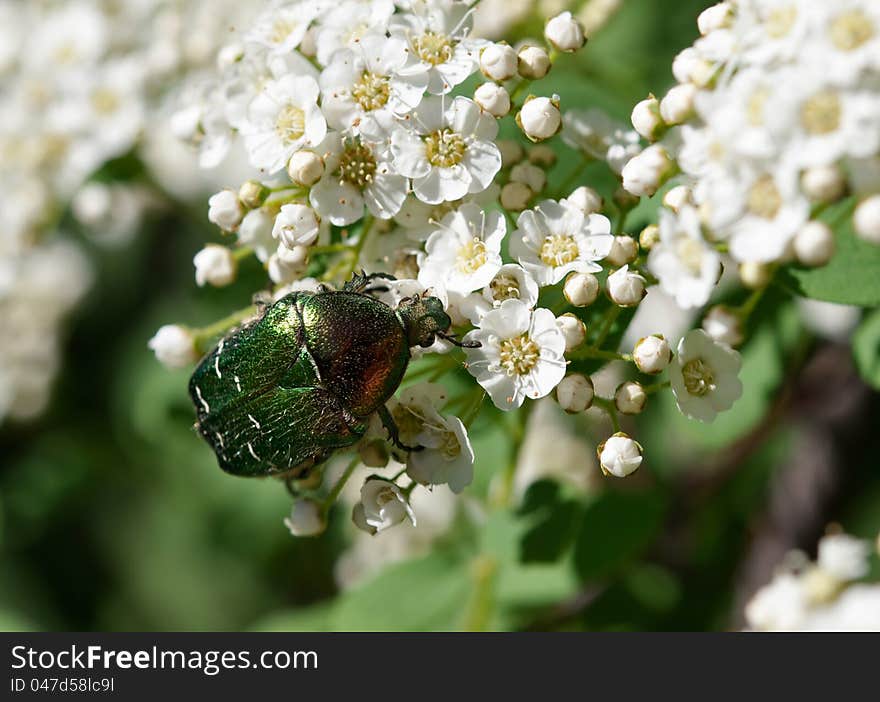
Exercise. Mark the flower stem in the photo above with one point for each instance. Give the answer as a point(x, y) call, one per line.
point(608, 322)
point(203, 334)
point(337, 488)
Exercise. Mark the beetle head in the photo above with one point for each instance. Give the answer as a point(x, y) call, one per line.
point(424, 319)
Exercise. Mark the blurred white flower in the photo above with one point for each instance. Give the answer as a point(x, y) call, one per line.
point(382, 505)
point(704, 376)
point(174, 346)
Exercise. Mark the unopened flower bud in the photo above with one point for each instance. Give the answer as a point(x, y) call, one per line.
point(296, 225)
point(647, 171)
point(652, 354)
point(374, 454)
point(649, 236)
point(624, 249)
point(305, 168)
point(308, 47)
point(646, 119)
point(630, 397)
point(285, 265)
point(715, 17)
point(754, 275)
point(723, 325)
point(174, 346)
point(814, 244)
point(515, 196)
point(866, 220)
point(532, 62)
point(677, 197)
point(823, 183)
point(619, 455)
point(492, 98)
point(542, 155)
point(581, 289)
point(253, 194)
point(512, 152)
point(540, 118)
point(573, 329)
point(564, 32)
point(215, 265)
point(585, 199)
point(677, 105)
point(575, 393)
point(306, 518)
point(689, 67)
point(225, 210)
point(625, 288)
point(529, 174)
point(229, 55)
point(498, 62)
point(624, 199)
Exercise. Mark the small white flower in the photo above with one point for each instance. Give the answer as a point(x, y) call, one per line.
point(382, 505)
point(555, 239)
point(464, 253)
point(564, 32)
point(286, 265)
point(843, 557)
point(498, 62)
point(866, 219)
point(296, 225)
point(510, 282)
point(625, 288)
point(630, 397)
point(781, 605)
point(585, 199)
point(624, 250)
point(646, 118)
point(306, 518)
point(647, 171)
point(492, 98)
point(347, 23)
point(283, 118)
point(704, 376)
point(255, 231)
point(714, 18)
point(540, 118)
point(573, 329)
point(447, 457)
point(581, 289)
point(619, 455)
point(449, 151)
point(723, 325)
point(533, 63)
point(225, 210)
point(521, 353)
point(677, 105)
point(215, 265)
point(575, 393)
point(652, 354)
point(174, 346)
point(684, 263)
point(281, 28)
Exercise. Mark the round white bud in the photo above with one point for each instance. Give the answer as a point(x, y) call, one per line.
point(652, 354)
point(564, 32)
point(677, 197)
point(689, 67)
point(540, 118)
point(215, 265)
point(715, 17)
point(296, 225)
point(532, 62)
point(723, 325)
point(677, 105)
point(754, 275)
point(308, 47)
point(305, 168)
point(624, 249)
point(285, 265)
point(823, 183)
point(174, 346)
point(512, 152)
point(573, 329)
point(630, 397)
point(252, 194)
point(575, 393)
point(625, 288)
point(646, 119)
point(306, 518)
point(581, 289)
point(866, 219)
point(225, 210)
point(649, 236)
point(647, 171)
point(585, 199)
point(619, 455)
point(814, 244)
point(515, 196)
point(498, 62)
point(492, 98)
point(542, 155)
point(529, 174)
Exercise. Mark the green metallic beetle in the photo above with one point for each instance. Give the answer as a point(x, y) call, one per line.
point(279, 395)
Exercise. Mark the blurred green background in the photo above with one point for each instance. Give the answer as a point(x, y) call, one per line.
point(114, 515)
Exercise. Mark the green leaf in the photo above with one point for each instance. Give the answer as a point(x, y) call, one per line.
point(552, 525)
point(314, 618)
point(866, 349)
point(617, 526)
point(852, 277)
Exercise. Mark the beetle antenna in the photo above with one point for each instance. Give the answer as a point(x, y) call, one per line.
point(461, 344)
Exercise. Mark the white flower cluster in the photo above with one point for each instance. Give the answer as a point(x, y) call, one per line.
point(776, 114)
point(828, 595)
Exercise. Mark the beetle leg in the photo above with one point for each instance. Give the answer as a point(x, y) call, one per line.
point(393, 433)
point(360, 282)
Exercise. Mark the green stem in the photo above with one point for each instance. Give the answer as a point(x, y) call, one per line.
point(337, 488)
point(359, 246)
point(610, 317)
point(479, 614)
point(592, 352)
point(655, 387)
point(610, 409)
point(203, 334)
